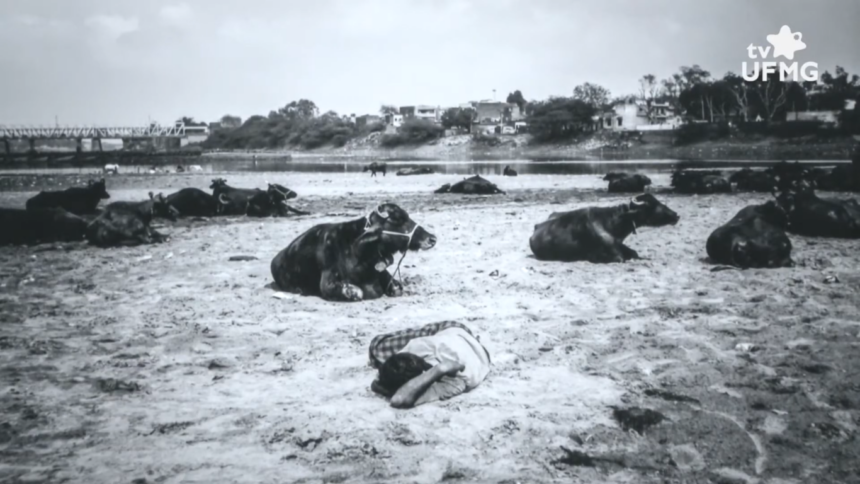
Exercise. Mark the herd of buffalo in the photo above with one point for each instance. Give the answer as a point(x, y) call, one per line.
point(349, 261)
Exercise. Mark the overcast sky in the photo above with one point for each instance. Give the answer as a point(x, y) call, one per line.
point(125, 61)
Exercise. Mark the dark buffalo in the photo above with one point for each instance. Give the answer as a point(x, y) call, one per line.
point(252, 202)
point(748, 180)
point(508, 171)
point(414, 171)
point(596, 234)
point(839, 179)
point(193, 202)
point(471, 186)
point(700, 182)
point(127, 223)
point(626, 183)
point(77, 200)
point(374, 167)
point(788, 175)
point(347, 261)
point(40, 225)
point(755, 237)
point(819, 217)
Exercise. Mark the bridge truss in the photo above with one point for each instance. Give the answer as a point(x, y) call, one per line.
point(80, 132)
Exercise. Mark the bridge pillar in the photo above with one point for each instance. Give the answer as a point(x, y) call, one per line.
point(32, 142)
point(8, 147)
point(96, 142)
point(79, 145)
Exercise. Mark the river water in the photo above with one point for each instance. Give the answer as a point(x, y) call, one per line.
point(523, 167)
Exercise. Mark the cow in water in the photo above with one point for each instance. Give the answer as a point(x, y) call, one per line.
point(626, 183)
point(596, 234)
point(193, 202)
point(700, 182)
point(111, 168)
point(471, 186)
point(252, 202)
point(819, 217)
point(508, 171)
point(40, 225)
point(127, 223)
point(754, 237)
point(374, 167)
point(748, 180)
point(348, 261)
point(77, 200)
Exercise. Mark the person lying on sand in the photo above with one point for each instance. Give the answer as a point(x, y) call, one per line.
point(435, 362)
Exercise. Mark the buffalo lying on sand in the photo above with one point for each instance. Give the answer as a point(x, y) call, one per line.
point(348, 261)
point(626, 183)
point(748, 180)
point(414, 171)
point(471, 186)
point(77, 200)
point(839, 179)
point(754, 237)
point(193, 202)
point(819, 217)
point(127, 223)
point(700, 182)
point(596, 234)
point(253, 202)
point(788, 175)
point(40, 225)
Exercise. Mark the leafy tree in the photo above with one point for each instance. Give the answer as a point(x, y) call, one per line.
point(517, 98)
point(592, 94)
point(189, 121)
point(230, 121)
point(648, 91)
point(559, 118)
point(303, 108)
point(386, 109)
point(413, 131)
point(458, 118)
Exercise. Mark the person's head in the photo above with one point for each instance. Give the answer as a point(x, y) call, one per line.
point(399, 369)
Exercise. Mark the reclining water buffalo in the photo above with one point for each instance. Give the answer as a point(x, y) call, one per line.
point(700, 182)
point(748, 180)
point(471, 186)
point(508, 171)
point(348, 261)
point(626, 183)
point(819, 217)
point(596, 234)
point(839, 179)
point(127, 223)
point(39, 226)
point(374, 167)
point(788, 175)
point(414, 171)
point(252, 202)
point(754, 237)
point(77, 200)
point(193, 202)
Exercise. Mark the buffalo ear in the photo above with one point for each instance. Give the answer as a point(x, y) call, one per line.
point(382, 210)
point(151, 196)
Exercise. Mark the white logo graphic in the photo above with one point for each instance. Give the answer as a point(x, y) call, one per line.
point(784, 44)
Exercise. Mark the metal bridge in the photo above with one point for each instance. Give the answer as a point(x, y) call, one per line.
point(92, 132)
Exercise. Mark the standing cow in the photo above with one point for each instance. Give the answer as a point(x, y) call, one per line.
point(374, 167)
point(348, 261)
point(596, 234)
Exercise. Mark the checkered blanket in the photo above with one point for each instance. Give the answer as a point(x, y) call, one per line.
point(384, 346)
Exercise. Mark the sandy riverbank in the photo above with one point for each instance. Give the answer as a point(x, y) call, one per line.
point(170, 364)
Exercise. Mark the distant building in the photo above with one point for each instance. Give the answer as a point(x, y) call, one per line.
point(395, 120)
point(367, 120)
point(407, 111)
point(492, 116)
point(827, 117)
point(630, 115)
point(193, 134)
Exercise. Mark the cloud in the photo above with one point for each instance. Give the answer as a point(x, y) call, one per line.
point(113, 26)
point(177, 15)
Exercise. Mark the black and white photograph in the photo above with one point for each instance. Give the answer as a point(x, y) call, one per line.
point(429, 241)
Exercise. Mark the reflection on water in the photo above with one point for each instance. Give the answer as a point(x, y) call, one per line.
point(523, 167)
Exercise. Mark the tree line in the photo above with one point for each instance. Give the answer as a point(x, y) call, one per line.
point(692, 91)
